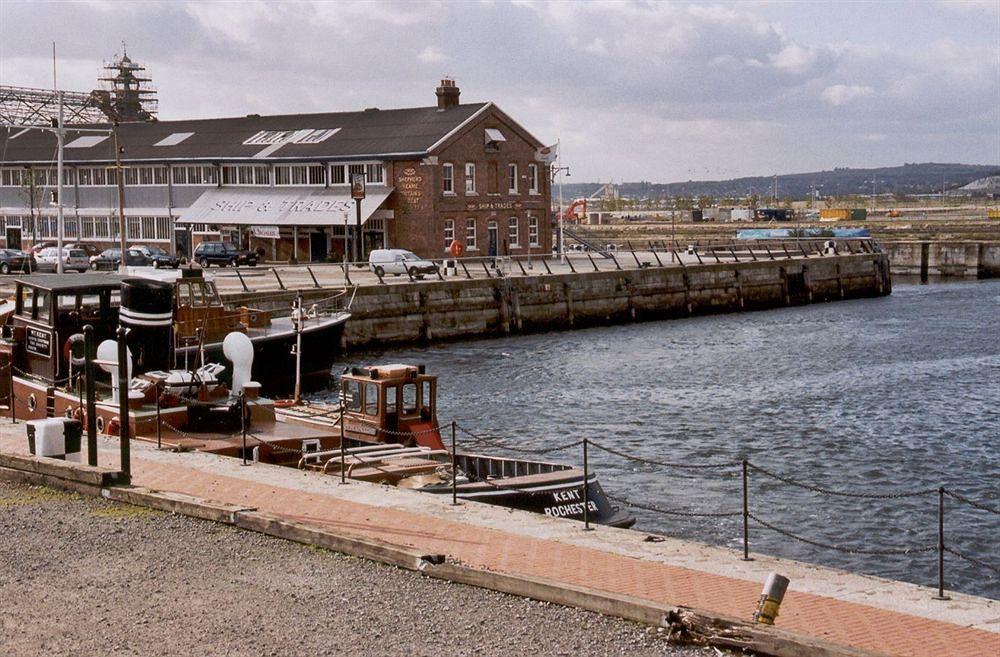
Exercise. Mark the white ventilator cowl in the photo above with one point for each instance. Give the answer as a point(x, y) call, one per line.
point(239, 351)
point(108, 351)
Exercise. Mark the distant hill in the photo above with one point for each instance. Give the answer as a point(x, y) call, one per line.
point(927, 178)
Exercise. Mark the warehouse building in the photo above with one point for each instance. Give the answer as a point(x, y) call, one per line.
point(282, 184)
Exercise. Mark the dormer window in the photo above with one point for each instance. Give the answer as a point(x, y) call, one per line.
point(493, 139)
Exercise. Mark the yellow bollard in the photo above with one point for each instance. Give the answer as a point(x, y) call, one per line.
point(770, 599)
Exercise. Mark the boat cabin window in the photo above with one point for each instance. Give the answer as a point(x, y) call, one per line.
point(352, 395)
point(410, 399)
point(371, 399)
point(391, 400)
point(425, 394)
point(41, 305)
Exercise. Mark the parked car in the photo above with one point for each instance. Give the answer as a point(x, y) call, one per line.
point(157, 257)
point(90, 249)
point(37, 248)
point(398, 262)
point(223, 254)
point(72, 259)
point(111, 258)
point(15, 260)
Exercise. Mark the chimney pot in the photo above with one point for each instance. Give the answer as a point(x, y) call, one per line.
point(447, 94)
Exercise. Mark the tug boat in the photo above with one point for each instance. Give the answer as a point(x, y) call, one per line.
point(384, 431)
point(392, 435)
point(188, 317)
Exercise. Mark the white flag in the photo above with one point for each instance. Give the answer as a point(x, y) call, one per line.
point(547, 154)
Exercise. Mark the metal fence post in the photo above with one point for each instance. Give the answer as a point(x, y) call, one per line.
point(941, 595)
point(586, 497)
point(159, 444)
point(454, 467)
point(746, 512)
point(343, 453)
point(13, 398)
point(124, 430)
point(91, 382)
point(243, 423)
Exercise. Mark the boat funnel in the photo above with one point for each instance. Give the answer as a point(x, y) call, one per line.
point(147, 310)
point(238, 348)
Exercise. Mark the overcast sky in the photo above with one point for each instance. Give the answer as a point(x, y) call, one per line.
point(634, 90)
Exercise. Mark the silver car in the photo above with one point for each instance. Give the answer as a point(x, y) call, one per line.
point(73, 259)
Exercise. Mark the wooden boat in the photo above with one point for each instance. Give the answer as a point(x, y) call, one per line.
point(392, 435)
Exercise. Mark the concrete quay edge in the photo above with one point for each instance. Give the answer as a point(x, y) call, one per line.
point(686, 624)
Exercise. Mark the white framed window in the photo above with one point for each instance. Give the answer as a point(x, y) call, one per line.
point(12, 176)
point(470, 234)
point(337, 176)
point(512, 231)
point(375, 173)
point(512, 178)
point(246, 174)
point(449, 232)
point(300, 175)
point(470, 178)
point(194, 175)
point(97, 177)
point(532, 178)
point(448, 178)
point(145, 176)
point(532, 231)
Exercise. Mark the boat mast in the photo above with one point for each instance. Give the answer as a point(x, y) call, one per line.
point(297, 318)
point(60, 139)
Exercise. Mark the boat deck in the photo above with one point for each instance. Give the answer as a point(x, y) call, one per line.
point(867, 613)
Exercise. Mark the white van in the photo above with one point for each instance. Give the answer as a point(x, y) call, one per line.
point(398, 262)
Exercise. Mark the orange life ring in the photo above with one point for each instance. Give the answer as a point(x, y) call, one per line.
point(284, 403)
point(456, 249)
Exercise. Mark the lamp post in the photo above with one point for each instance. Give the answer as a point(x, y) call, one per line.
point(358, 194)
point(555, 171)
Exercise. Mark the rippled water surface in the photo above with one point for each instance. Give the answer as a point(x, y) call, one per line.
point(893, 394)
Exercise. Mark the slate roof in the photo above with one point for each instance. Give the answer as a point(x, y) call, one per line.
point(371, 134)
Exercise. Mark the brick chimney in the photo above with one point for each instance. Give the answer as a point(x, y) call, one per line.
point(447, 94)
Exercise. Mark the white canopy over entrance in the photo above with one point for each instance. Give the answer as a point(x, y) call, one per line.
point(270, 206)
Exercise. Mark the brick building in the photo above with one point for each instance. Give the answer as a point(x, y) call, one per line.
point(451, 171)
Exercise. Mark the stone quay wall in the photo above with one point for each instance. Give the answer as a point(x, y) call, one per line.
point(945, 259)
point(458, 308)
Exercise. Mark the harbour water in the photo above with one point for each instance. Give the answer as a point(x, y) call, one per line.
point(870, 396)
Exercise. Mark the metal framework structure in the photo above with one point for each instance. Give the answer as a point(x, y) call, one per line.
point(27, 106)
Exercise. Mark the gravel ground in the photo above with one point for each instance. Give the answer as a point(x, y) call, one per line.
point(83, 576)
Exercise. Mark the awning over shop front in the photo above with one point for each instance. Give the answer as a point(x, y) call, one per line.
point(254, 206)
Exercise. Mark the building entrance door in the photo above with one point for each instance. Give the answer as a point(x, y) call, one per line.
point(14, 238)
point(491, 233)
point(318, 247)
point(182, 242)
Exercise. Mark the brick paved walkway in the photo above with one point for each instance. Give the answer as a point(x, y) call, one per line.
point(843, 622)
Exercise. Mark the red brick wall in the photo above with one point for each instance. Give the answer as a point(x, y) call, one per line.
point(421, 207)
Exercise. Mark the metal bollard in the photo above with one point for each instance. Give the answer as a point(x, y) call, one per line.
point(770, 599)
